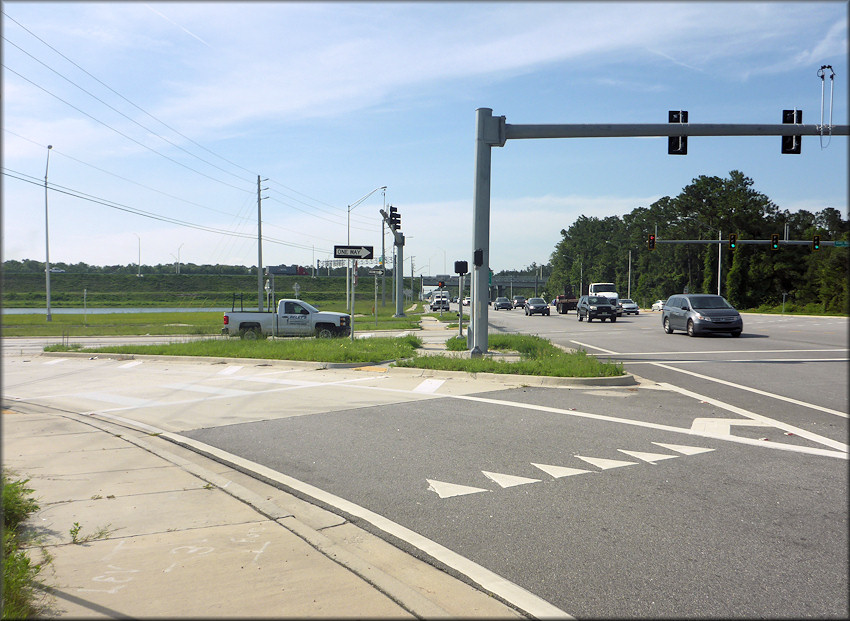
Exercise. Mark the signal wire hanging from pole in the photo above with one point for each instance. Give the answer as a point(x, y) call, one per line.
point(821, 74)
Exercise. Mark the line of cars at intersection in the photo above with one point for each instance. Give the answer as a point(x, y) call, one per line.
point(695, 314)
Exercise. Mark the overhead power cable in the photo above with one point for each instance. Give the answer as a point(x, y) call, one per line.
point(120, 133)
point(139, 212)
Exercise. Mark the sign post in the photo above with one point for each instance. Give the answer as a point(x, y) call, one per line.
point(376, 273)
point(353, 252)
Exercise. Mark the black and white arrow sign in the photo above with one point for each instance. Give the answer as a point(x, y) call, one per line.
point(353, 252)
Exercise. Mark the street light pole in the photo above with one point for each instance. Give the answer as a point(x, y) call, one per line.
point(348, 242)
point(139, 275)
point(47, 238)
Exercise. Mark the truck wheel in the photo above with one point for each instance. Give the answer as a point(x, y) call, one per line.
point(250, 334)
point(613, 319)
point(324, 332)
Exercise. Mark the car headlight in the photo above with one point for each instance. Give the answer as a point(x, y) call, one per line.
point(592, 308)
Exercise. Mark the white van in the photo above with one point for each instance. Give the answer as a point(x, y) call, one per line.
point(439, 300)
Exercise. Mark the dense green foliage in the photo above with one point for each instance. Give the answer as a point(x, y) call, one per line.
point(595, 250)
point(26, 289)
point(20, 598)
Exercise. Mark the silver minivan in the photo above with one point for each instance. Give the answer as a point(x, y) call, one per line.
point(700, 313)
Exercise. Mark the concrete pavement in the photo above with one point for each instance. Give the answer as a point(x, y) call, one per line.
point(139, 527)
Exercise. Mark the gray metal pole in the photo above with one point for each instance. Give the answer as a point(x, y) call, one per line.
point(47, 238)
point(399, 277)
point(383, 264)
point(478, 315)
point(719, 257)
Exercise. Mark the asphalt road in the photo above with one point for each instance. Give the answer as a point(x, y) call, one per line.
point(716, 487)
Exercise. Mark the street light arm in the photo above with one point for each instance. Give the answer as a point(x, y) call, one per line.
point(354, 204)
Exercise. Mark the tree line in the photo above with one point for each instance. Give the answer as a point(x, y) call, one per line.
point(752, 276)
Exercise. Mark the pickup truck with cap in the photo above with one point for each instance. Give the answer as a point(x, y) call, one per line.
point(293, 318)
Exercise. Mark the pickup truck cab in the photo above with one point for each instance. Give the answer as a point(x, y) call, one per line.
point(293, 318)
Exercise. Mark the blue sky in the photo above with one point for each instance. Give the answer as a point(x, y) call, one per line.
point(174, 109)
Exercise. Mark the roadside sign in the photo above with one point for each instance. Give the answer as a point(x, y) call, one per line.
point(353, 252)
point(841, 243)
point(377, 272)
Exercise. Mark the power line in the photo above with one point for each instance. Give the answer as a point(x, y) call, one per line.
point(139, 212)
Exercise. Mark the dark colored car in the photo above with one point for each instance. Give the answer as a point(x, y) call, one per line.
point(700, 313)
point(502, 304)
point(596, 307)
point(536, 306)
point(518, 301)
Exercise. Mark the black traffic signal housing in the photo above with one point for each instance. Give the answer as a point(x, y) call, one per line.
point(816, 242)
point(652, 242)
point(677, 145)
point(395, 218)
point(774, 242)
point(733, 241)
point(441, 283)
point(792, 144)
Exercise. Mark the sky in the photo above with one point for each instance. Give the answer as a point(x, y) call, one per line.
point(163, 115)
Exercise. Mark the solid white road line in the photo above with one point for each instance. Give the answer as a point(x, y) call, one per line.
point(755, 390)
point(512, 593)
point(732, 384)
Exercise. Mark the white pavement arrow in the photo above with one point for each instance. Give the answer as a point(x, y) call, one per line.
point(508, 480)
point(447, 490)
point(685, 450)
point(722, 426)
point(605, 464)
point(559, 471)
point(650, 457)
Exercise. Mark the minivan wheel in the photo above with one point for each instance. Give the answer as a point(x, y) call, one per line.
point(667, 327)
point(691, 328)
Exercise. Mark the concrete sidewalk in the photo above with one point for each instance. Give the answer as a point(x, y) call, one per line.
point(140, 527)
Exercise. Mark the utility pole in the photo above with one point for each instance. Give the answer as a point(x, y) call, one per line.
point(259, 246)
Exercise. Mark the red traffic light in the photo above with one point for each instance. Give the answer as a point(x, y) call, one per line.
point(652, 242)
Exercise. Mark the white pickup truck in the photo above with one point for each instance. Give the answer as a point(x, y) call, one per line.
point(293, 318)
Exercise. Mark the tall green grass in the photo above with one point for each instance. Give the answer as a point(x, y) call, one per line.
point(537, 357)
point(20, 596)
point(340, 350)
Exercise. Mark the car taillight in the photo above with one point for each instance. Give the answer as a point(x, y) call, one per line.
point(226, 320)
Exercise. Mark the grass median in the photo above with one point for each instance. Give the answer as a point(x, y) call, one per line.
point(535, 356)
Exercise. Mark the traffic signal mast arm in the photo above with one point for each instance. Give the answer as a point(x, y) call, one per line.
point(624, 130)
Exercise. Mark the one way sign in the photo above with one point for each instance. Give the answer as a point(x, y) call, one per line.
point(353, 252)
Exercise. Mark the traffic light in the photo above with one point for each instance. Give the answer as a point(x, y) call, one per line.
point(652, 242)
point(792, 144)
point(774, 242)
point(733, 241)
point(441, 283)
point(677, 145)
point(816, 242)
point(395, 218)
